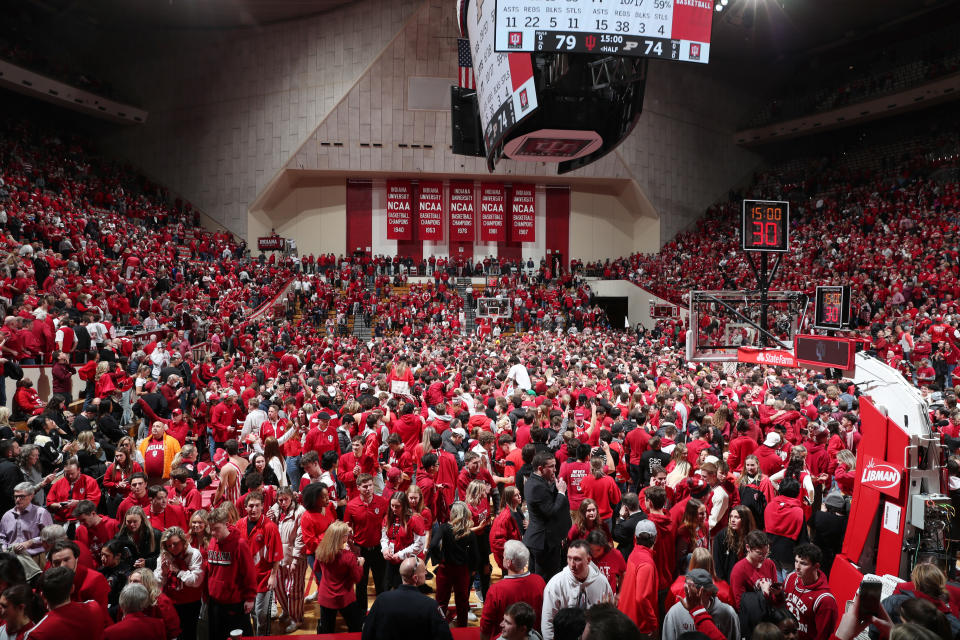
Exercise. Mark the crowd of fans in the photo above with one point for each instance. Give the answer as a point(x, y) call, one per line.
point(219, 463)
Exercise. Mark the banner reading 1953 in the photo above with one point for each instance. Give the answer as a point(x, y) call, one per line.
point(669, 29)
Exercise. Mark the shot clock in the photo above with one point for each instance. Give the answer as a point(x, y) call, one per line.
point(832, 308)
point(765, 226)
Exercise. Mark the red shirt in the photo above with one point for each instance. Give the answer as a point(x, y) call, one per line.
point(603, 491)
point(338, 579)
point(101, 534)
point(322, 441)
point(172, 516)
point(366, 519)
point(153, 457)
point(527, 588)
point(573, 474)
point(265, 546)
point(72, 620)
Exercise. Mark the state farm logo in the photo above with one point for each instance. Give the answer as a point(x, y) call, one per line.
point(694, 50)
point(775, 358)
point(880, 475)
point(515, 40)
point(524, 101)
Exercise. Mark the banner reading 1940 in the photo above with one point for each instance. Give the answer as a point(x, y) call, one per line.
point(523, 213)
point(430, 211)
point(399, 223)
point(493, 227)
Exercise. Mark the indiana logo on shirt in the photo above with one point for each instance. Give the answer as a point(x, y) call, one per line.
point(219, 557)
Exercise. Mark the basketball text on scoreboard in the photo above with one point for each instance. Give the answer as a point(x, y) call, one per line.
point(649, 28)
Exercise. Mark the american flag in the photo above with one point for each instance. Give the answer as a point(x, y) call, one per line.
point(465, 64)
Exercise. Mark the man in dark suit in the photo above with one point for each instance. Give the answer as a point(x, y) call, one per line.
point(406, 613)
point(626, 524)
point(549, 516)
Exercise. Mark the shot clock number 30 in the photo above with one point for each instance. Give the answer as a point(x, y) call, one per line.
point(766, 226)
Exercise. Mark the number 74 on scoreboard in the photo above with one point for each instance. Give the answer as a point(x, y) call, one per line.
point(765, 226)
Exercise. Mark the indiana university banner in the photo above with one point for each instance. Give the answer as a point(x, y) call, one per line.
point(399, 223)
point(523, 213)
point(430, 210)
point(493, 227)
point(461, 212)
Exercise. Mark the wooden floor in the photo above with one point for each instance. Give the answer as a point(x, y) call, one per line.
point(312, 612)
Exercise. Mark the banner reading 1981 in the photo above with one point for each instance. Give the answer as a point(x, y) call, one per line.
point(399, 222)
point(493, 217)
point(430, 211)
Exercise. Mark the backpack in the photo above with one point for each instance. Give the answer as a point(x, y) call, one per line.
point(754, 499)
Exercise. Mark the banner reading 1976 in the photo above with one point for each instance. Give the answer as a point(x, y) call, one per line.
point(461, 211)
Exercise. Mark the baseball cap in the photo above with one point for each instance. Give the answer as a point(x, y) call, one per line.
point(364, 386)
point(772, 439)
point(646, 526)
point(459, 432)
point(323, 415)
point(700, 577)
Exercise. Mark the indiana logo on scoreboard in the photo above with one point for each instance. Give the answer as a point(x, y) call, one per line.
point(515, 40)
point(694, 50)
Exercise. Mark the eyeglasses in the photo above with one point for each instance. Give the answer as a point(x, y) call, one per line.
point(21, 495)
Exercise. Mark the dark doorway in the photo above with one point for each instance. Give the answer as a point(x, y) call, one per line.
point(615, 308)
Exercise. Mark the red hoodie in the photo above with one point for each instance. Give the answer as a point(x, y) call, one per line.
point(664, 551)
point(232, 577)
point(784, 517)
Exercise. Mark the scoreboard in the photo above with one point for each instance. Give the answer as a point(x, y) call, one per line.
point(831, 309)
point(765, 226)
point(668, 29)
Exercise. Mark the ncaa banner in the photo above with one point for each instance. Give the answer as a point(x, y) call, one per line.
point(692, 20)
point(523, 213)
point(430, 211)
point(399, 222)
point(493, 220)
point(461, 211)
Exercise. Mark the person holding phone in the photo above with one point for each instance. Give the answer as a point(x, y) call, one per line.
point(808, 597)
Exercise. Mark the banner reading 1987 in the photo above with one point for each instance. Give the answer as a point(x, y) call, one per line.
point(670, 29)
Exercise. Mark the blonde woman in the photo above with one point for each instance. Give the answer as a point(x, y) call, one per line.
point(161, 607)
point(456, 552)
point(340, 571)
point(180, 575)
point(846, 471)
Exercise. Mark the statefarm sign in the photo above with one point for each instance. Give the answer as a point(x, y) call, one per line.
point(775, 357)
point(883, 476)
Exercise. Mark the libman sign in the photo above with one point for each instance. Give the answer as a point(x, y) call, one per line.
point(883, 476)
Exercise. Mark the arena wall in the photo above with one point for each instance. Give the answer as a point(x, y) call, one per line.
point(232, 111)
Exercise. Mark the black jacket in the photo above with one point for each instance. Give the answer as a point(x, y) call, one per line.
point(402, 614)
point(624, 532)
point(10, 476)
point(548, 514)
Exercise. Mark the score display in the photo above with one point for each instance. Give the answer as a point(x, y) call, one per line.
point(670, 29)
point(765, 226)
point(820, 351)
point(832, 308)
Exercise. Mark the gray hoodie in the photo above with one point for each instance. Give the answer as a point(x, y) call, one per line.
point(564, 590)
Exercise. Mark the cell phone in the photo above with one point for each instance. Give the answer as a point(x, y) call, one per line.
point(870, 590)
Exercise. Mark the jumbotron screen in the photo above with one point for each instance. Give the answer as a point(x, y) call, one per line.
point(668, 29)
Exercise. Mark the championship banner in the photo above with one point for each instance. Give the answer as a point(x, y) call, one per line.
point(399, 224)
point(461, 211)
point(430, 211)
point(523, 213)
point(493, 218)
